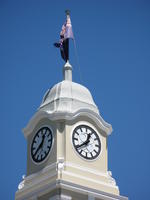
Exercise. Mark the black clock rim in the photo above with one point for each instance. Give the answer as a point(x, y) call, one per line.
point(39, 161)
point(98, 153)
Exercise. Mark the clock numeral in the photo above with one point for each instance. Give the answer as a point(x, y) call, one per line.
point(48, 134)
point(77, 133)
point(33, 148)
point(91, 154)
point(81, 151)
point(95, 151)
point(75, 138)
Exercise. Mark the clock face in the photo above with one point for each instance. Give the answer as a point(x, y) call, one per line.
point(86, 142)
point(41, 144)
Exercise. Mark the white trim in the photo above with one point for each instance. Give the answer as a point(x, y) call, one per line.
point(107, 128)
point(44, 170)
point(46, 187)
point(94, 192)
point(57, 99)
point(91, 180)
point(60, 197)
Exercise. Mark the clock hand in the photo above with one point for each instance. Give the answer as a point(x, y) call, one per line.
point(41, 144)
point(84, 143)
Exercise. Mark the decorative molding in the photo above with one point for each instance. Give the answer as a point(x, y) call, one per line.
point(29, 183)
point(111, 184)
point(86, 169)
point(55, 168)
point(69, 92)
point(107, 128)
point(60, 197)
point(46, 187)
point(60, 166)
point(89, 191)
point(47, 169)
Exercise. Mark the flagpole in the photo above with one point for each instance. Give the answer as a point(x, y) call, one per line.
point(67, 49)
point(67, 40)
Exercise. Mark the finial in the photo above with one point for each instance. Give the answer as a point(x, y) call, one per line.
point(67, 71)
point(67, 12)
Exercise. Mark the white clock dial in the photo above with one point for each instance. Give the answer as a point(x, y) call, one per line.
point(41, 144)
point(86, 142)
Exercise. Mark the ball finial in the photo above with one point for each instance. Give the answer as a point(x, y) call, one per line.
point(67, 12)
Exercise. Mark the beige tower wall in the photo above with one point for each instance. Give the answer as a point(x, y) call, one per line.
point(100, 163)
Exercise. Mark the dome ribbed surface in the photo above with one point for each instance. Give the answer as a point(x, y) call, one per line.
point(68, 96)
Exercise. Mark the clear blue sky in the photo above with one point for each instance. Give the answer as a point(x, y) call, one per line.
point(113, 47)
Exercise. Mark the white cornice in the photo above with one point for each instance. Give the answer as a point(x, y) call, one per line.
point(67, 186)
point(90, 191)
point(91, 180)
point(104, 126)
point(31, 183)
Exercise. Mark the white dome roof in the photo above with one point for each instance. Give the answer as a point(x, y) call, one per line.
point(68, 96)
point(66, 101)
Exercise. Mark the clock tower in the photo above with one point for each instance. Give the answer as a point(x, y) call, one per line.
point(67, 147)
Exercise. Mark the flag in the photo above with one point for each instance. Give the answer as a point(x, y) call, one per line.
point(65, 34)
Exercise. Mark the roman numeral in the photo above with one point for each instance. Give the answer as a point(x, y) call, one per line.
point(81, 151)
point(48, 134)
point(95, 151)
point(50, 140)
point(91, 154)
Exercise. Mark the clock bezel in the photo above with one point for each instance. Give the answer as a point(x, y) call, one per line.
point(46, 158)
point(96, 131)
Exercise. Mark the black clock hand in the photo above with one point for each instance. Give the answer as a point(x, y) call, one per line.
point(41, 144)
point(84, 143)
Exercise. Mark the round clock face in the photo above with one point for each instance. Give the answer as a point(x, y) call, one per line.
point(86, 142)
point(41, 144)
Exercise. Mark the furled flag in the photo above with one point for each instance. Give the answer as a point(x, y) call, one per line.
point(65, 34)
